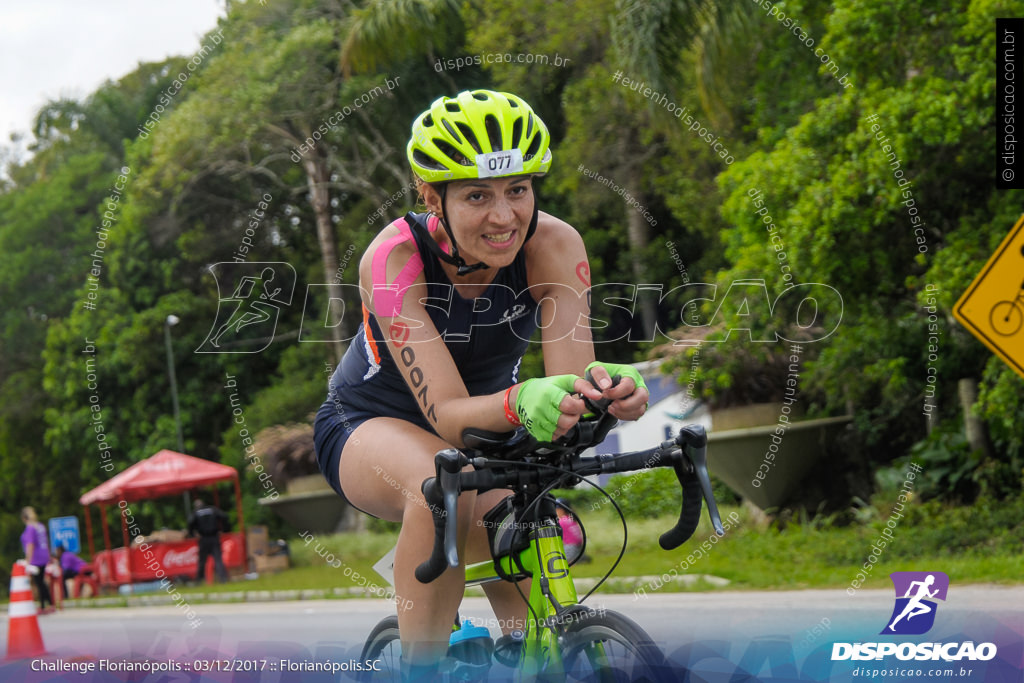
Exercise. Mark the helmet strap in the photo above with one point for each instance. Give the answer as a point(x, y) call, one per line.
point(533, 221)
point(455, 259)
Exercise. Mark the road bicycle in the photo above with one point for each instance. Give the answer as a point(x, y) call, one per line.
point(563, 640)
point(1007, 316)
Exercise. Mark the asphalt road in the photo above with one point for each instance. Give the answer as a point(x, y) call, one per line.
point(713, 631)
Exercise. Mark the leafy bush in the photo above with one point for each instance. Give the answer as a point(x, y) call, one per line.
point(987, 526)
point(949, 469)
point(1000, 405)
point(656, 493)
point(641, 494)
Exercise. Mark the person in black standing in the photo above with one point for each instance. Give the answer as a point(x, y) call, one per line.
point(208, 522)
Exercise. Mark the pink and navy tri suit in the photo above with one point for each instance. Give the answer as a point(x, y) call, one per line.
point(486, 336)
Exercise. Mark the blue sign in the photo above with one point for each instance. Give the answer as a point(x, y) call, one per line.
point(64, 530)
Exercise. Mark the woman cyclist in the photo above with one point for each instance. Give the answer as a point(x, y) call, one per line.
point(450, 300)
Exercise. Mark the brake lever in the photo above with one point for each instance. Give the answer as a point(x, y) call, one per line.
point(695, 439)
point(449, 464)
point(690, 465)
point(442, 491)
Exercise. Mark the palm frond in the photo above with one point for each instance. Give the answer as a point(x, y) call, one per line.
point(652, 38)
point(385, 32)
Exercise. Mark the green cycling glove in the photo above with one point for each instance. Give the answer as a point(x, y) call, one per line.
point(538, 401)
point(622, 371)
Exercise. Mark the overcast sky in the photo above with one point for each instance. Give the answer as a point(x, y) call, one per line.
point(68, 48)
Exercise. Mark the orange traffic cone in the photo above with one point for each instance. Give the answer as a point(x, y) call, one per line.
point(23, 636)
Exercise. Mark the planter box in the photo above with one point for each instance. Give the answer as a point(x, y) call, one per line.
point(754, 415)
point(310, 482)
point(312, 505)
point(736, 455)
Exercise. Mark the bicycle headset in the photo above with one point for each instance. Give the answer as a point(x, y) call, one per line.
point(459, 137)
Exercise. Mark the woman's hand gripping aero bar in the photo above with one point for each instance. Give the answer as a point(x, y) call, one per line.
point(545, 405)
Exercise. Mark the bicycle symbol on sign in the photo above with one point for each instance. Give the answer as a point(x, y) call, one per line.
point(1007, 316)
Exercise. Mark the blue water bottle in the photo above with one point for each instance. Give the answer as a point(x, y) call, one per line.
point(470, 647)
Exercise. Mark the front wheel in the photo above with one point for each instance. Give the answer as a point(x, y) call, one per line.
point(607, 646)
point(384, 648)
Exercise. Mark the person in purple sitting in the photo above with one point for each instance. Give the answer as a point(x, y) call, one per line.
point(37, 555)
point(71, 565)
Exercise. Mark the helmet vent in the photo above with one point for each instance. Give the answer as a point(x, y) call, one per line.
point(512, 103)
point(427, 162)
point(428, 120)
point(517, 132)
point(453, 107)
point(534, 146)
point(452, 153)
point(493, 132)
point(529, 125)
point(467, 133)
point(482, 96)
point(451, 131)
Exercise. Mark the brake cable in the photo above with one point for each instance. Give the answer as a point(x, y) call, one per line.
point(550, 487)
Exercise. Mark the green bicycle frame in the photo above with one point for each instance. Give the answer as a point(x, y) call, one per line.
point(546, 562)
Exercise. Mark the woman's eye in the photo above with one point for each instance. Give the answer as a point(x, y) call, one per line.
point(475, 197)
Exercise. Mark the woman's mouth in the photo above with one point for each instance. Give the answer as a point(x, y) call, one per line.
point(501, 239)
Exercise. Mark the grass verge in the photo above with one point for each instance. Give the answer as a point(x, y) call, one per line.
point(976, 544)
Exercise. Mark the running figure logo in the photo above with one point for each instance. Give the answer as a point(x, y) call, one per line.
point(247, 318)
point(914, 612)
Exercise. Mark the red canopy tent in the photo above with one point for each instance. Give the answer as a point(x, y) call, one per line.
point(163, 474)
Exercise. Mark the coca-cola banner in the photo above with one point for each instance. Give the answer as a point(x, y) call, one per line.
point(159, 560)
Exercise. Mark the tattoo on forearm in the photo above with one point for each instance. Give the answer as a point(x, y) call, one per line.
point(417, 379)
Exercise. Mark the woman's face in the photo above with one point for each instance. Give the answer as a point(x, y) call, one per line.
point(488, 217)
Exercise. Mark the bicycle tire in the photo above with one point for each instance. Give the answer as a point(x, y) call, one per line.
point(383, 644)
point(608, 646)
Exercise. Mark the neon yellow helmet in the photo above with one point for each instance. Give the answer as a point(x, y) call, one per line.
point(478, 134)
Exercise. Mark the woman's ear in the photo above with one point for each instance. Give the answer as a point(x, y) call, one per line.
point(431, 197)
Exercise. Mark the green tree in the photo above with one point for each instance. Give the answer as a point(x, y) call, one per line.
point(51, 215)
point(833, 185)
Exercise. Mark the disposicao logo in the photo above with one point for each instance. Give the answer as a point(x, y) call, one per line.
point(914, 614)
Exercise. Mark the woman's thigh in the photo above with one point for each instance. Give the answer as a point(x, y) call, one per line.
point(383, 464)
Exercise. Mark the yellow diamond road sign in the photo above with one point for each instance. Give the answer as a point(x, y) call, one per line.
point(992, 308)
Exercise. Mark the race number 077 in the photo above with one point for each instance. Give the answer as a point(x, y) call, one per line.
point(505, 162)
